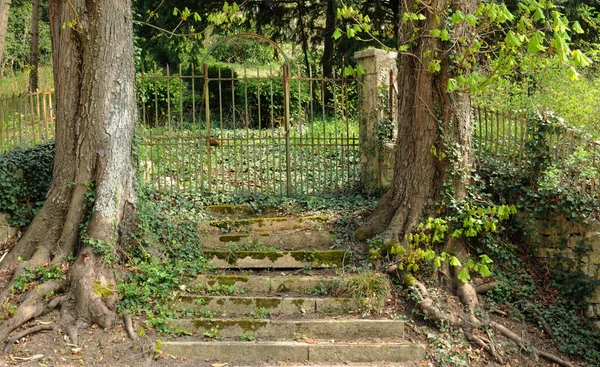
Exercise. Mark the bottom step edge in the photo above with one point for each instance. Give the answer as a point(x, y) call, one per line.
point(293, 351)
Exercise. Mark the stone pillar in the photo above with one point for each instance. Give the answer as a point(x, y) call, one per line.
point(376, 108)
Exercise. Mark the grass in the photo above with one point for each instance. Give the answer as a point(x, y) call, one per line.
point(323, 157)
point(18, 82)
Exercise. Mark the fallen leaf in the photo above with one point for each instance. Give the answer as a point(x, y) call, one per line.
point(45, 322)
point(32, 358)
point(219, 364)
point(76, 350)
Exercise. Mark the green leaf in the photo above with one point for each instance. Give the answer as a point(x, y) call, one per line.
point(484, 259)
point(429, 255)
point(435, 32)
point(452, 85)
point(573, 74)
point(454, 261)
point(457, 233)
point(464, 275)
point(457, 17)
point(175, 11)
point(512, 40)
point(579, 58)
point(539, 14)
point(437, 262)
point(470, 264)
point(434, 66)
point(445, 35)
point(484, 271)
point(337, 34)
point(577, 27)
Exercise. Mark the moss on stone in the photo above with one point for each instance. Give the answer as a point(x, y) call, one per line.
point(230, 279)
point(282, 288)
point(241, 301)
point(233, 237)
point(333, 258)
point(299, 302)
point(267, 303)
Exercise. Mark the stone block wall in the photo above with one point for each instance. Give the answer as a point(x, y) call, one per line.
point(570, 239)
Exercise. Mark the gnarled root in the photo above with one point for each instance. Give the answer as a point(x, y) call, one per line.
point(36, 329)
point(31, 305)
point(468, 321)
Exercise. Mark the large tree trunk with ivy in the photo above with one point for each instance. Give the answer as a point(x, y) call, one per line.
point(92, 193)
point(434, 145)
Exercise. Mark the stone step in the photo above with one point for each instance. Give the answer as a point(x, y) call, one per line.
point(265, 224)
point(225, 259)
point(229, 352)
point(338, 329)
point(225, 306)
point(286, 240)
point(266, 283)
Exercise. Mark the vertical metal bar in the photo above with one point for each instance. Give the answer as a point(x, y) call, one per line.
point(168, 97)
point(334, 170)
point(286, 119)
point(235, 138)
point(39, 115)
point(180, 98)
point(298, 164)
point(221, 133)
point(312, 130)
point(207, 117)
point(259, 165)
point(20, 101)
point(245, 140)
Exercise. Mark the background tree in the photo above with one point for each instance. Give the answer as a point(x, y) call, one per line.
point(35, 40)
point(4, 12)
point(95, 117)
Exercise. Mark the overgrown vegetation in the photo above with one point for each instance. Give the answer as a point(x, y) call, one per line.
point(25, 176)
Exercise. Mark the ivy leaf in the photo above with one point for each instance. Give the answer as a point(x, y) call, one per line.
point(484, 259)
point(437, 262)
point(435, 32)
point(539, 14)
point(577, 27)
point(337, 34)
point(445, 35)
point(175, 11)
point(457, 233)
point(429, 255)
point(464, 275)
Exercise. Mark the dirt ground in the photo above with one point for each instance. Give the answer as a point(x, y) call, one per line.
point(112, 348)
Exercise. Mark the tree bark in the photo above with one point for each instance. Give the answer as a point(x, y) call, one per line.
point(34, 54)
point(4, 12)
point(432, 121)
point(328, 45)
point(95, 120)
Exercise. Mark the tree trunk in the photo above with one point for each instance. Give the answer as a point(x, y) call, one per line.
point(35, 37)
point(328, 45)
point(432, 121)
point(92, 47)
point(303, 35)
point(4, 12)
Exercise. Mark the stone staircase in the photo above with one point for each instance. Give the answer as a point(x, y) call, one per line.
point(269, 298)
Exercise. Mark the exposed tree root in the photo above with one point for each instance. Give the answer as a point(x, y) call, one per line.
point(36, 329)
point(484, 288)
point(522, 343)
point(128, 324)
point(31, 305)
point(468, 321)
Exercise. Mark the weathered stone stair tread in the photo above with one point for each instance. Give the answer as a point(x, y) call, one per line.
point(284, 240)
point(224, 259)
point(265, 224)
point(293, 351)
point(338, 329)
point(267, 284)
point(236, 305)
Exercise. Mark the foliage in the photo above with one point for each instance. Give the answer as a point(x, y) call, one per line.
point(25, 177)
point(17, 46)
point(369, 289)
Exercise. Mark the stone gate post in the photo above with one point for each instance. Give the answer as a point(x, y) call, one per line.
point(376, 110)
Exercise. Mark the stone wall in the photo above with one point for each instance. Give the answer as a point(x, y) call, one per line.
point(579, 242)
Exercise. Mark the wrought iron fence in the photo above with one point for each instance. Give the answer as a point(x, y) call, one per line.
point(513, 141)
point(26, 119)
point(234, 130)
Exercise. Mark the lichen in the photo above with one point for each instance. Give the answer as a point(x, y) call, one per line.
point(241, 301)
point(233, 237)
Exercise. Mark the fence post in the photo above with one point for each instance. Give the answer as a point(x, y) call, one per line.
point(376, 156)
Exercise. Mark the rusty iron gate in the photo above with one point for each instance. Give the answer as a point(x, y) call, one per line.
point(270, 129)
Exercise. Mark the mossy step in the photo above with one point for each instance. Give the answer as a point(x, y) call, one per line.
point(260, 352)
point(234, 305)
point(287, 240)
point(240, 211)
point(265, 224)
point(339, 329)
point(265, 284)
point(223, 259)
